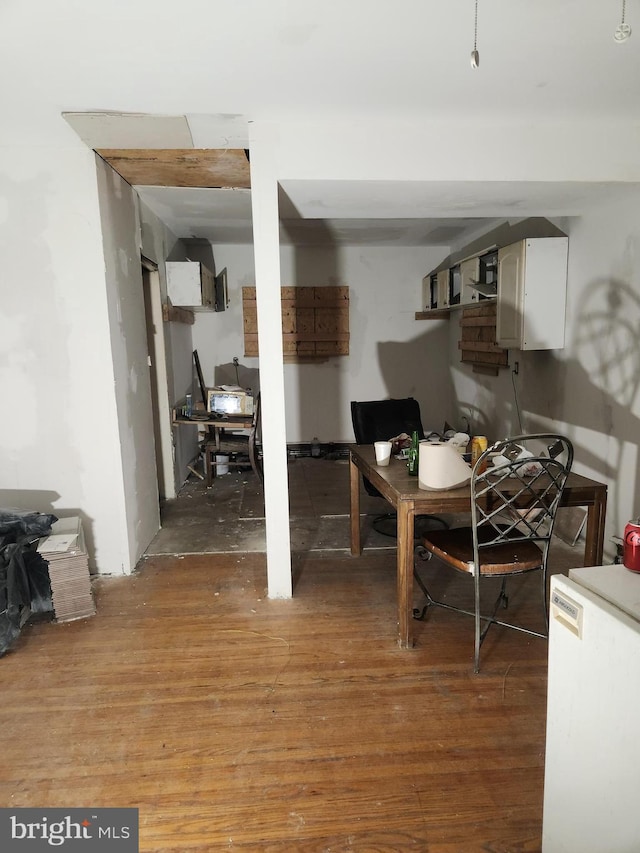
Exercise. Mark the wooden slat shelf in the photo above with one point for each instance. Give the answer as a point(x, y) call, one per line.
point(480, 346)
point(445, 313)
point(315, 336)
point(435, 314)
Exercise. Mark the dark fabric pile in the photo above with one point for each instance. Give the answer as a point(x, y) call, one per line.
point(24, 575)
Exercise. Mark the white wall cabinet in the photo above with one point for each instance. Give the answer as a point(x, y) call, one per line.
point(190, 284)
point(429, 292)
point(443, 289)
point(469, 272)
point(532, 285)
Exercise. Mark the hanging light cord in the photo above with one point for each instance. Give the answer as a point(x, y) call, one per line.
point(475, 26)
point(475, 56)
point(623, 30)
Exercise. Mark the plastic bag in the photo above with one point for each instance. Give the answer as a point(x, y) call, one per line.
point(25, 587)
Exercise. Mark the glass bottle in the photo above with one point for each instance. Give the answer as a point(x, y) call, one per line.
point(412, 464)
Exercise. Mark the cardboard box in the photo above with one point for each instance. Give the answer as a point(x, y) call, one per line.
point(224, 401)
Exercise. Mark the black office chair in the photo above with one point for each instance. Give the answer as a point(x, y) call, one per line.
point(380, 420)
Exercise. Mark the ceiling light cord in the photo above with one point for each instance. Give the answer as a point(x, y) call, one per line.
point(623, 30)
point(475, 27)
point(475, 56)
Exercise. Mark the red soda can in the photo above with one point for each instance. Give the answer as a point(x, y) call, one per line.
point(631, 547)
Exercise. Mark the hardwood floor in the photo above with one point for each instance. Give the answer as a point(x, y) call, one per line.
point(236, 722)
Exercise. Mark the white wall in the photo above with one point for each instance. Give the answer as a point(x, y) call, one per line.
point(125, 301)
point(390, 353)
point(59, 446)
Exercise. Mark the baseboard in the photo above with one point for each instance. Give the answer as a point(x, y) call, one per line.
point(327, 450)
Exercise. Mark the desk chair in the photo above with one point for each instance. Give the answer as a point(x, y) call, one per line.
point(223, 441)
point(380, 420)
point(513, 510)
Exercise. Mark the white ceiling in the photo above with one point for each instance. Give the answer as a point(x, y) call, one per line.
point(224, 216)
point(215, 65)
point(539, 59)
point(406, 213)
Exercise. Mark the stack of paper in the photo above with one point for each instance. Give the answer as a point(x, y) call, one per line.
point(66, 553)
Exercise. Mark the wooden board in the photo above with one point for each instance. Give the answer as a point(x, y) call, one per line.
point(478, 340)
point(180, 167)
point(315, 322)
point(171, 314)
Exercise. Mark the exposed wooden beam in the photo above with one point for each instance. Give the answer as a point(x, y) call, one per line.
point(193, 167)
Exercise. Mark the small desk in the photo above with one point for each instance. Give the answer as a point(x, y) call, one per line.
point(215, 424)
point(408, 499)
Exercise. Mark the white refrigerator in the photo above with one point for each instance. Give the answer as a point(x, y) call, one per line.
point(592, 756)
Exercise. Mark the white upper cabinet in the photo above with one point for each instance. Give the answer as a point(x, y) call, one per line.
point(469, 274)
point(532, 286)
point(443, 289)
point(190, 285)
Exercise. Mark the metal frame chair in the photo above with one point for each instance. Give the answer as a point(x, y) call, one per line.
point(513, 510)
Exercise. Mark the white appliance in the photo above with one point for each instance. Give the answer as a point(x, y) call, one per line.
point(592, 764)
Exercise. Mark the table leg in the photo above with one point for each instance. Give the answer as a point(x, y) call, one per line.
point(594, 539)
point(208, 464)
point(254, 457)
point(354, 509)
point(406, 516)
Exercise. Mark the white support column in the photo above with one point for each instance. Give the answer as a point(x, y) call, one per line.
point(266, 247)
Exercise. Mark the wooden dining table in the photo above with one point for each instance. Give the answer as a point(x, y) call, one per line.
point(402, 491)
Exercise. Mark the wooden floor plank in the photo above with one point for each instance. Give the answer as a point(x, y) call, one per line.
point(234, 722)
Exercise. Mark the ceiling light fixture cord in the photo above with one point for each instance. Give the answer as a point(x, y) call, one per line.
point(623, 30)
point(475, 56)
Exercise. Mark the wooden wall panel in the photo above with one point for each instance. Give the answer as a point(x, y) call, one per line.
point(478, 339)
point(315, 322)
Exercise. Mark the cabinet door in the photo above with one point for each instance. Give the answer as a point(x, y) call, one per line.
point(545, 289)
point(208, 284)
point(426, 293)
point(443, 289)
point(509, 319)
point(433, 291)
point(532, 286)
point(469, 272)
point(190, 284)
point(455, 285)
point(429, 292)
